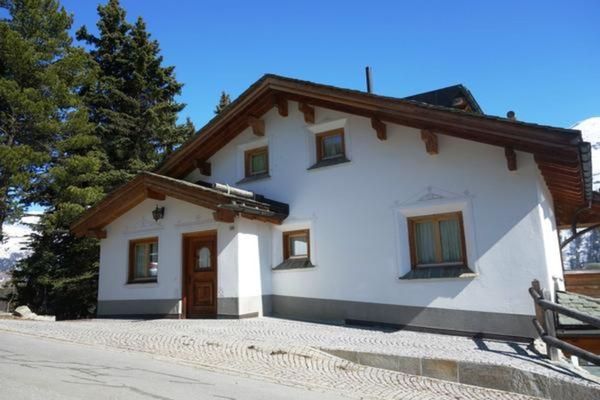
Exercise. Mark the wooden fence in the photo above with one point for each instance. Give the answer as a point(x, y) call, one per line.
point(546, 312)
point(583, 282)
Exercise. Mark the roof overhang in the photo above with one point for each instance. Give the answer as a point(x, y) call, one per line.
point(562, 156)
point(149, 185)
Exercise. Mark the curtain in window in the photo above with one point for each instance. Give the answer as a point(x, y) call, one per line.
point(332, 146)
point(298, 246)
point(451, 242)
point(259, 163)
point(140, 260)
point(425, 242)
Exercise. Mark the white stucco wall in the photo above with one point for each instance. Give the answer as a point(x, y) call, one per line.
point(355, 212)
point(180, 217)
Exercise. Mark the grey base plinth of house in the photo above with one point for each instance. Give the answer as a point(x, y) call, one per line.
point(477, 374)
point(159, 308)
point(486, 324)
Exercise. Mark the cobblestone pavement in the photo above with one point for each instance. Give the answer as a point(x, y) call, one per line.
point(288, 352)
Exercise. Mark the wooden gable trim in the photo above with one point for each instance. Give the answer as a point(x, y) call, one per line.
point(121, 200)
point(380, 128)
point(222, 215)
point(282, 106)
point(153, 194)
point(557, 146)
point(204, 167)
point(257, 125)
point(308, 111)
point(511, 158)
point(430, 140)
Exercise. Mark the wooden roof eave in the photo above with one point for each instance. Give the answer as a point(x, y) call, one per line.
point(557, 151)
point(122, 199)
point(554, 144)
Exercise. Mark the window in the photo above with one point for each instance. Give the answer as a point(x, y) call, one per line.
point(437, 240)
point(296, 245)
point(143, 260)
point(256, 161)
point(330, 145)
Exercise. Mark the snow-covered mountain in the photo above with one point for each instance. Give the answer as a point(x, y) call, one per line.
point(590, 130)
point(584, 252)
point(16, 240)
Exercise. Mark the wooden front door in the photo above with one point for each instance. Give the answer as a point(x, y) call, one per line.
point(200, 275)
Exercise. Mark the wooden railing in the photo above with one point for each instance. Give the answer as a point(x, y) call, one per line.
point(546, 312)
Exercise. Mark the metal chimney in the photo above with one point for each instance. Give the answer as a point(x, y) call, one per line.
point(368, 76)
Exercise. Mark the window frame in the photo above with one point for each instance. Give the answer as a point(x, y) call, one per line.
point(436, 218)
point(287, 248)
point(248, 154)
point(320, 138)
point(131, 273)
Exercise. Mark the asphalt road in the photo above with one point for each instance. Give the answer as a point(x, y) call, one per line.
point(37, 368)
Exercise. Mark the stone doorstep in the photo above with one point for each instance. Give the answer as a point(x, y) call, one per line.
point(490, 376)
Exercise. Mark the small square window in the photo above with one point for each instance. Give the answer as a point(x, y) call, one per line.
point(330, 145)
point(143, 260)
point(296, 244)
point(437, 240)
point(256, 162)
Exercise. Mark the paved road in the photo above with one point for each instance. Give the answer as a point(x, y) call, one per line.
point(38, 368)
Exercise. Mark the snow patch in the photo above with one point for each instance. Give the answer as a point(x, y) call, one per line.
point(15, 245)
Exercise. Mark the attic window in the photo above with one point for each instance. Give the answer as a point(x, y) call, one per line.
point(330, 145)
point(256, 162)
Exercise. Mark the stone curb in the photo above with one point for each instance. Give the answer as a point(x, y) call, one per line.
point(489, 376)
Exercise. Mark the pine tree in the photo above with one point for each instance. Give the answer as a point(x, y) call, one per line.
point(133, 104)
point(224, 101)
point(68, 174)
point(129, 99)
point(38, 70)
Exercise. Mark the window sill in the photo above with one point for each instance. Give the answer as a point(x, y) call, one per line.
point(291, 263)
point(460, 272)
point(330, 162)
point(253, 178)
point(145, 282)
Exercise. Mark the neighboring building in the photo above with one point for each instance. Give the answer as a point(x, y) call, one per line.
point(371, 209)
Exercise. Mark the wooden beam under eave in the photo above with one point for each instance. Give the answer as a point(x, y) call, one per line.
point(96, 233)
point(282, 106)
point(155, 195)
point(257, 125)
point(380, 128)
point(511, 158)
point(308, 111)
point(204, 167)
point(222, 215)
point(431, 141)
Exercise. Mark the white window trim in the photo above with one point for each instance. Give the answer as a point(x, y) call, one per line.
point(431, 207)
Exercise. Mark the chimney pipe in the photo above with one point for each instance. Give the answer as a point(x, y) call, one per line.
point(368, 75)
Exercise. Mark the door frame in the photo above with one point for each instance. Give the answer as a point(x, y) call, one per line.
point(184, 294)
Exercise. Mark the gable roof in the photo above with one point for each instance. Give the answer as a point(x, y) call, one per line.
point(562, 156)
point(150, 185)
point(456, 96)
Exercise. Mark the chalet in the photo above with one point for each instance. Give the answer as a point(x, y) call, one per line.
point(313, 202)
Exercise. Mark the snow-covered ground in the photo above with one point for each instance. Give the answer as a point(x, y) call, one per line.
point(15, 244)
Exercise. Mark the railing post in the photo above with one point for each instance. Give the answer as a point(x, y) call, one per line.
point(550, 328)
point(539, 311)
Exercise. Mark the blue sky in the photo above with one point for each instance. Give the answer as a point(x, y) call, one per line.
point(539, 58)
